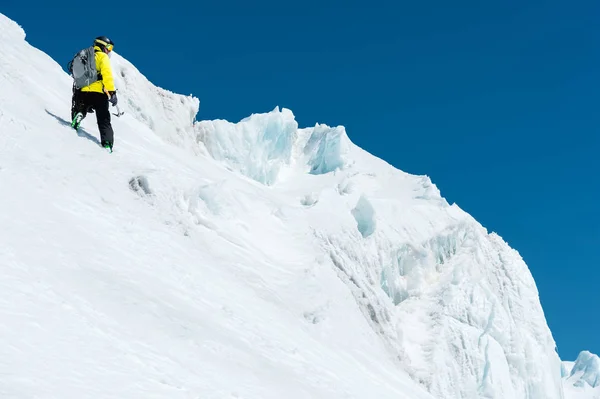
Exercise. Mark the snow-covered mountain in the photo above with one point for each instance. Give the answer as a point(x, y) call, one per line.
point(241, 260)
point(582, 377)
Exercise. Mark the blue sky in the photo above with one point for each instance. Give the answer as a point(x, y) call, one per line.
point(497, 101)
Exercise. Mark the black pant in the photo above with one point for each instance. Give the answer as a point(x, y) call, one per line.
point(84, 102)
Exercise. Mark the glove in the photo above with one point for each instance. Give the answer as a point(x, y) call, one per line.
point(113, 98)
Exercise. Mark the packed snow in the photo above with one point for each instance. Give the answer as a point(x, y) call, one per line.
point(254, 259)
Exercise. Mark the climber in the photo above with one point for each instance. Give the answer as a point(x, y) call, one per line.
point(94, 88)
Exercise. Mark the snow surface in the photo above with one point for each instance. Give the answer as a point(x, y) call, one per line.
point(240, 260)
point(582, 377)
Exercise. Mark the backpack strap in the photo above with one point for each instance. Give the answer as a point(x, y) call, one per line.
point(99, 74)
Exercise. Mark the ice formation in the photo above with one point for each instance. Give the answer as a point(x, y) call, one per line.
point(253, 259)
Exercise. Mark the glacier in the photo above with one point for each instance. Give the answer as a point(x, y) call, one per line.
point(256, 259)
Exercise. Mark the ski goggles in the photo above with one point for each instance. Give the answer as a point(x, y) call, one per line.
point(107, 46)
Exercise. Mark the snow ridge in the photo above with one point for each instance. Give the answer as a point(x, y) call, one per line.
point(254, 259)
point(171, 116)
point(155, 271)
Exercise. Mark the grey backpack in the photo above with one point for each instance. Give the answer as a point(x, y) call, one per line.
point(83, 68)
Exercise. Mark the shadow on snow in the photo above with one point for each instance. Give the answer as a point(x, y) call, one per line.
point(80, 132)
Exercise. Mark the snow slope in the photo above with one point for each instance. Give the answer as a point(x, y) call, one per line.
point(240, 260)
point(582, 377)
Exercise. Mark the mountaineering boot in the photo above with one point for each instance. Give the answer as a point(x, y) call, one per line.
point(106, 145)
point(77, 120)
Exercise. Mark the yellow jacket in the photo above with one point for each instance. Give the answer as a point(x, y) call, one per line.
point(103, 67)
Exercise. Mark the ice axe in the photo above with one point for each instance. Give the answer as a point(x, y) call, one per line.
point(119, 113)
